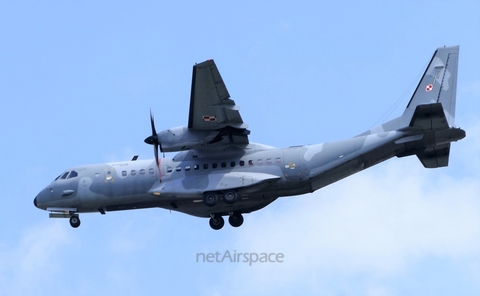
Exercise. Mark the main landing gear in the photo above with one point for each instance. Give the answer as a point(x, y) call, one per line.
point(210, 199)
point(217, 222)
point(236, 220)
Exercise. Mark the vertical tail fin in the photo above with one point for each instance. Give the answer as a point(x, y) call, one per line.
point(438, 84)
point(429, 119)
point(430, 114)
point(434, 98)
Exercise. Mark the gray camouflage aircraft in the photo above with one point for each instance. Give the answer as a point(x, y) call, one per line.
point(218, 172)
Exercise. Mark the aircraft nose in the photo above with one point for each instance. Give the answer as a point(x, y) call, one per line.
point(39, 200)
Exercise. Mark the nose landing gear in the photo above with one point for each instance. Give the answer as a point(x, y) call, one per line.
point(74, 221)
point(65, 213)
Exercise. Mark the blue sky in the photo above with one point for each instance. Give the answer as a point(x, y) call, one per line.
point(77, 81)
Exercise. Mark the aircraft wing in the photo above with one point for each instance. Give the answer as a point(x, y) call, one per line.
point(211, 108)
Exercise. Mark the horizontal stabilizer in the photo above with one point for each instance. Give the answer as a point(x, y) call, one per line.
point(429, 117)
point(435, 157)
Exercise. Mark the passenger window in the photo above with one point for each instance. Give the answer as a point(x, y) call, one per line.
point(232, 164)
point(178, 169)
point(142, 172)
point(97, 175)
point(214, 165)
point(65, 175)
point(133, 173)
point(269, 161)
point(224, 164)
point(169, 169)
point(196, 167)
point(250, 162)
point(73, 174)
point(124, 173)
point(242, 163)
point(151, 171)
point(187, 168)
point(260, 161)
point(205, 166)
point(278, 160)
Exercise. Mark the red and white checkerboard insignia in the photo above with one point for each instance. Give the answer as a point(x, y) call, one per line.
point(209, 118)
point(429, 87)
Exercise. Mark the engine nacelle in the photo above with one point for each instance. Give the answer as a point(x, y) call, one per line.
point(182, 138)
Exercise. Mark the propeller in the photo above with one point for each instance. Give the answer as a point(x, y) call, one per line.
point(153, 139)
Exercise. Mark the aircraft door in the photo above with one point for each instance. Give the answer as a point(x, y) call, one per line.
point(292, 168)
point(109, 179)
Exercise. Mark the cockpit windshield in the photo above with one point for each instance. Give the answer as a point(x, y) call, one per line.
point(67, 175)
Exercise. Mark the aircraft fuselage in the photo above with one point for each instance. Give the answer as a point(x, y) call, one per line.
point(259, 174)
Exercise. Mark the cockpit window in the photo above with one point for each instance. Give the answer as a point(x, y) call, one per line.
point(67, 175)
point(73, 174)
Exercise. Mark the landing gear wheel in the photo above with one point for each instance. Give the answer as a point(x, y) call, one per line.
point(74, 221)
point(235, 220)
point(230, 196)
point(217, 222)
point(210, 199)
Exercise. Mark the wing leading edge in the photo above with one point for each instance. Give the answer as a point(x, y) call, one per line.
point(211, 108)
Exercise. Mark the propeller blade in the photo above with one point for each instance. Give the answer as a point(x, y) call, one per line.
point(153, 139)
point(154, 132)
point(155, 148)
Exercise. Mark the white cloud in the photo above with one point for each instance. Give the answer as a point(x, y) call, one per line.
point(128, 237)
point(33, 262)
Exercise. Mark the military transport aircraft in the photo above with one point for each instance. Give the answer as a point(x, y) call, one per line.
point(218, 172)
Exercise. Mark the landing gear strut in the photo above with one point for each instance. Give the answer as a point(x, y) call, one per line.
point(217, 222)
point(74, 221)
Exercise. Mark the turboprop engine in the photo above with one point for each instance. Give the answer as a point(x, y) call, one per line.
point(182, 138)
